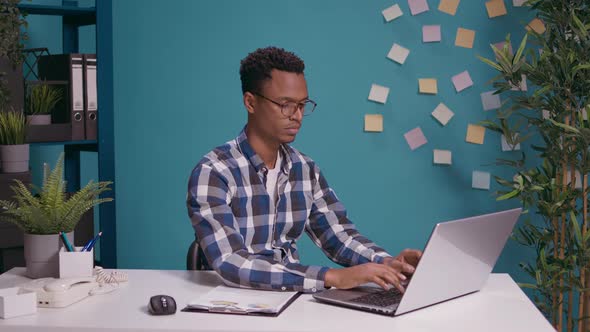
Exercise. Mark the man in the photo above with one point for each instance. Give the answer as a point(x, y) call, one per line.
point(250, 199)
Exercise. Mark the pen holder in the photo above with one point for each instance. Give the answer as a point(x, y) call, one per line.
point(15, 302)
point(76, 264)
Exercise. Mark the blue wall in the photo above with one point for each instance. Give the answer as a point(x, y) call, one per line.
point(177, 95)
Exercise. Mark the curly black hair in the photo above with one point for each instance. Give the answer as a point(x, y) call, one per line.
point(257, 66)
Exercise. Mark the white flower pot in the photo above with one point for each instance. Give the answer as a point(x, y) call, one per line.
point(42, 254)
point(39, 119)
point(14, 158)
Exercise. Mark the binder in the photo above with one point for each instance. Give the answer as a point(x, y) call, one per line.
point(67, 67)
point(90, 97)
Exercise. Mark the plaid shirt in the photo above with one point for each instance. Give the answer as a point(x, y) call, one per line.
point(253, 247)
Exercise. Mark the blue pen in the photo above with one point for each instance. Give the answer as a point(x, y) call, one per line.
point(91, 243)
point(65, 241)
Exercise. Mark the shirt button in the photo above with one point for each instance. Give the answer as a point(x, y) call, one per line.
point(283, 288)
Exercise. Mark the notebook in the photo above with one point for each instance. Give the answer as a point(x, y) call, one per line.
point(457, 261)
point(229, 300)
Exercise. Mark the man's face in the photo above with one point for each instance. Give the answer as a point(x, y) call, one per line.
point(269, 120)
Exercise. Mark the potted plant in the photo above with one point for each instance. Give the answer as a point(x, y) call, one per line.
point(44, 212)
point(40, 102)
point(12, 35)
point(554, 184)
point(14, 152)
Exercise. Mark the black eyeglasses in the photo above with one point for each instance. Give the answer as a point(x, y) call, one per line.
point(289, 108)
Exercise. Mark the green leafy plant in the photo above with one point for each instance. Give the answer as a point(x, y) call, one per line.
point(12, 128)
point(42, 98)
point(553, 185)
point(49, 210)
point(11, 33)
point(4, 92)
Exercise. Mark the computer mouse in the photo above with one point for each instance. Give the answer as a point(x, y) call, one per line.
point(162, 305)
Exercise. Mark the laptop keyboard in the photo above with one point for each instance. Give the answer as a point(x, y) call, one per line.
point(380, 299)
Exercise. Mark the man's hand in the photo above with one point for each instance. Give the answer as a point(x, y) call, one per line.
point(410, 256)
point(381, 274)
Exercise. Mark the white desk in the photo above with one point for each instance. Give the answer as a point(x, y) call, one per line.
point(500, 306)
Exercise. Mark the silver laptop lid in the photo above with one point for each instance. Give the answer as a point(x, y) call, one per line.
point(458, 258)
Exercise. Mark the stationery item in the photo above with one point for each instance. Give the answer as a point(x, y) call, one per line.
point(415, 138)
point(76, 264)
point(228, 300)
point(442, 157)
point(66, 243)
point(68, 67)
point(462, 81)
point(480, 180)
point(496, 8)
point(518, 3)
point(378, 93)
point(374, 123)
point(465, 38)
point(431, 33)
point(448, 6)
point(490, 101)
point(91, 243)
point(418, 6)
point(15, 302)
point(475, 134)
point(536, 25)
point(392, 13)
point(442, 114)
point(500, 47)
point(398, 54)
point(522, 86)
point(90, 97)
point(507, 146)
point(428, 86)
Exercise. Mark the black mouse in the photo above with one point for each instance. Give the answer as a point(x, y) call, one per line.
point(162, 305)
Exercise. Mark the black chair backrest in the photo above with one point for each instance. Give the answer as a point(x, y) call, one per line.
point(195, 258)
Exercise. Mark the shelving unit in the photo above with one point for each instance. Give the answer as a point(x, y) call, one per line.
point(73, 18)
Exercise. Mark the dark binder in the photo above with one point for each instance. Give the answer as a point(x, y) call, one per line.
point(90, 97)
point(67, 67)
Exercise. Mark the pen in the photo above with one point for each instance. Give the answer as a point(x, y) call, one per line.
point(92, 242)
point(64, 240)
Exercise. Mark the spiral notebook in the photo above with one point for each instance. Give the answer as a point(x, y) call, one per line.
point(229, 300)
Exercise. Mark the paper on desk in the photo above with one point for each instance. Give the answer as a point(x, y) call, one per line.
point(378, 93)
point(508, 147)
point(398, 53)
point(480, 180)
point(373, 123)
point(427, 86)
point(536, 25)
point(490, 101)
point(462, 81)
point(240, 299)
point(431, 33)
point(496, 8)
point(448, 6)
point(475, 134)
point(415, 138)
point(443, 114)
point(392, 13)
point(443, 157)
point(418, 6)
point(465, 38)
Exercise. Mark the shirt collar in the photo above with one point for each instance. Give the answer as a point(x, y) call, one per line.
point(255, 160)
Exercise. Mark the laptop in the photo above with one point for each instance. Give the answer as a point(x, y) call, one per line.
point(456, 261)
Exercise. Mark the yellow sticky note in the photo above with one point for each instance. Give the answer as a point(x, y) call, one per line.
point(496, 8)
point(374, 123)
point(448, 6)
point(428, 85)
point(465, 38)
point(475, 134)
point(537, 25)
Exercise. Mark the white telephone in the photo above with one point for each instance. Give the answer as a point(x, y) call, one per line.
point(58, 293)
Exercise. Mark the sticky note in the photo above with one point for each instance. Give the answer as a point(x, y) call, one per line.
point(475, 134)
point(431, 33)
point(443, 157)
point(398, 53)
point(518, 3)
point(374, 123)
point(415, 138)
point(462, 81)
point(392, 13)
point(428, 86)
point(500, 46)
point(442, 114)
point(506, 146)
point(480, 180)
point(536, 25)
point(496, 8)
point(523, 85)
point(378, 93)
point(418, 6)
point(448, 6)
point(465, 38)
point(490, 101)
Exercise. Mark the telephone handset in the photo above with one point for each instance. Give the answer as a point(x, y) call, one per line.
point(58, 293)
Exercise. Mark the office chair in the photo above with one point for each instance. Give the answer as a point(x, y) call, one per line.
point(195, 258)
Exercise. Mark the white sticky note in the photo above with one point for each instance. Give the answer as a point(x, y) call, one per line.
point(443, 114)
point(398, 53)
point(443, 157)
point(392, 13)
point(418, 6)
point(378, 93)
point(462, 81)
point(508, 147)
point(490, 101)
point(431, 33)
point(523, 85)
point(480, 180)
point(518, 3)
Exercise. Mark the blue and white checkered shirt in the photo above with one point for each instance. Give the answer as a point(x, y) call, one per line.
point(253, 247)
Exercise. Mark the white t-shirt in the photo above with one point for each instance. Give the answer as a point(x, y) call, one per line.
point(271, 181)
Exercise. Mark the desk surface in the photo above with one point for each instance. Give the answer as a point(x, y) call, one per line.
point(499, 306)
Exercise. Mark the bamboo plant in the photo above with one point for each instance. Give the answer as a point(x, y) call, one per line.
point(553, 184)
point(12, 128)
point(42, 99)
